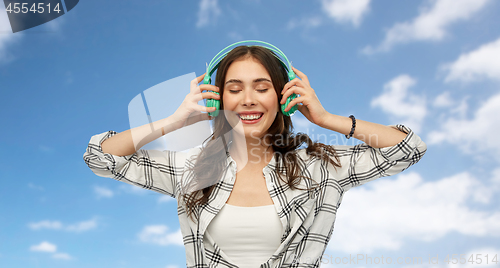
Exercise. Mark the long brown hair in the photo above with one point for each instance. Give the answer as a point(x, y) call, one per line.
point(211, 162)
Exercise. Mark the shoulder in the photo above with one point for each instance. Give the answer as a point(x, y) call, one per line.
point(306, 160)
point(190, 154)
point(304, 156)
point(168, 157)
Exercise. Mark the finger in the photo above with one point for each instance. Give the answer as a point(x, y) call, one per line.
point(210, 95)
point(201, 108)
point(193, 87)
point(297, 90)
point(205, 95)
point(293, 102)
point(200, 78)
point(293, 82)
point(208, 87)
point(301, 75)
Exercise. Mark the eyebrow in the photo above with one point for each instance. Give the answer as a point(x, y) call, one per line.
point(258, 80)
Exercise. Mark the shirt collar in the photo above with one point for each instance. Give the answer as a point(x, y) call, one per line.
point(270, 166)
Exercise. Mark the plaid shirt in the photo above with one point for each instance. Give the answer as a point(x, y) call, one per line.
point(307, 219)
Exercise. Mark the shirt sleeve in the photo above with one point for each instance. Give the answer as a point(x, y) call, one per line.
point(159, 171)
point(362, 163)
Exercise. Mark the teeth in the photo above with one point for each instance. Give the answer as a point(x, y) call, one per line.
point(250, 117)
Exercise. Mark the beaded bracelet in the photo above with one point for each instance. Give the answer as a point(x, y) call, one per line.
point(353, 126)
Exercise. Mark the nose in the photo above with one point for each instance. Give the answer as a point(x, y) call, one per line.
point(249, 99)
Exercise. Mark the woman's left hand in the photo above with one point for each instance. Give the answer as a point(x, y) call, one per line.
point(309, 104)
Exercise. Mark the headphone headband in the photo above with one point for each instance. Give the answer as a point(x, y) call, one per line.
point(215, 62)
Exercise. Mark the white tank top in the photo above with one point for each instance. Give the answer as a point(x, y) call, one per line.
point(247, 235)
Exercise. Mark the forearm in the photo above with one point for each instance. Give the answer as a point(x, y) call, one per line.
point(373, 134)
point(129, 141)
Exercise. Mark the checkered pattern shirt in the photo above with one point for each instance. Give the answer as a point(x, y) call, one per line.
point(307, 217)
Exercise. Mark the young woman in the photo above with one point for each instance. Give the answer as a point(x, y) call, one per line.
point(251, 197)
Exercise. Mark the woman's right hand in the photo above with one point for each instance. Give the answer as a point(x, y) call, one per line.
point(190, 112)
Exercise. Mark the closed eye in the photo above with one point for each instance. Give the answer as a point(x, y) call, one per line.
point(259, 90)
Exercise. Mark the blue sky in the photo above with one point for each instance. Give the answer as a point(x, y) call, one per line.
point(433, 65)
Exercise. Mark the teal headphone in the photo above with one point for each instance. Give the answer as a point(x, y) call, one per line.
point(214, 64)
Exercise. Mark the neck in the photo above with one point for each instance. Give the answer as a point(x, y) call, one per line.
point(250, 150)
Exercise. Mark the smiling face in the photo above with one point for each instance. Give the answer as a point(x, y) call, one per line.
point(249, 92)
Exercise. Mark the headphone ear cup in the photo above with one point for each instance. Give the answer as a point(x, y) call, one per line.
point(214, 103)
point(293, 109)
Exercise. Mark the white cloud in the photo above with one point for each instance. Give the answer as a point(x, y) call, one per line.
point(409, 208)
point(159, 235)
point(461, 108)
point(44, 247)
point(45, 148)
point(82, 226)
point(50, 248)
point(443, 100)
point(453, 107)
point(103, 192)
point(55, 25)
point(35, 187)
point(305, 22)
point(481, 63)
point(402, 106)
point(132, 189)
point(208, 13)
point(165, 199)
point(6, 36)
point(62, 256)
point(235, 36)
point(476, 135)
point(69, 77)
point(57, 225)
point(54, 225)
point(342, 11)
point(431, 24)
point(346, 11)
